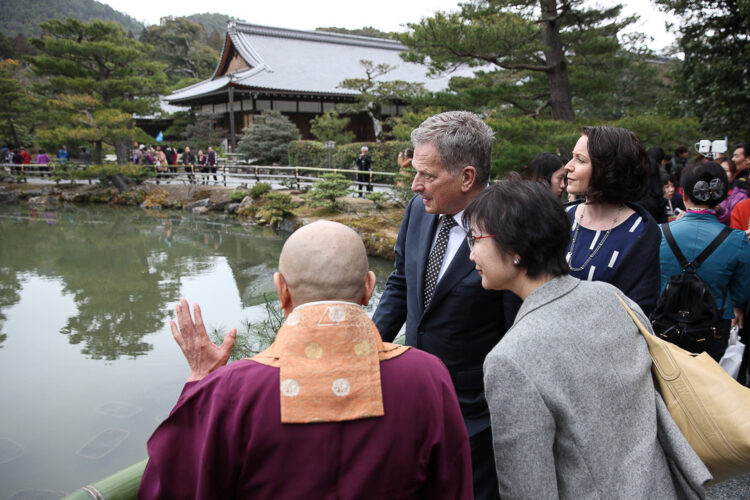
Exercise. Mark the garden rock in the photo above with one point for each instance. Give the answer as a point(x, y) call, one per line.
point(198, 204)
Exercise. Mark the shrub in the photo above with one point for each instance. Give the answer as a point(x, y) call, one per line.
point(105, 173)
point(378, 199)
point(325, 192)
point(238, 196)
point(267, 140)
point(280, 204)
point(331, 126)
point(259, 189)
point(307, 154)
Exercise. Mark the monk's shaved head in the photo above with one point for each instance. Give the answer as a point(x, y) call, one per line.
point(324, 261)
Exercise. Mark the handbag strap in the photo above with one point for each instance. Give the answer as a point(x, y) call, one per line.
point(660, 355)
point(696, 263)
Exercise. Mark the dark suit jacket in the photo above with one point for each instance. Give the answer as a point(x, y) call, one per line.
point(463, 321)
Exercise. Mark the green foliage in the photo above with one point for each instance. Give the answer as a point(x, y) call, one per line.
point(331, 126)
point(200, 132)
point(253, 338)
point(95, 78)
point(325, 193)
point(383, 155)
point(182, 45)
point(657, 130)
point(365, 31)
point(542, 48)
point(22, 16)
point(373, 93)
point(378, 199)
point(267, 140)
point(238, 195)
point(15, 105)
point(105, 173)
point(280, 204)
point(307, 154)
point(259, 189)
point(211, 21)
point(713, 77)
point(519, 139)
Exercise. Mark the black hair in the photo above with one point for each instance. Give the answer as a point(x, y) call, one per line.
point(528, 220)
point(656, 155)
point(542, 166)
point(713, 189)
point(619, 163)
point(745, 147)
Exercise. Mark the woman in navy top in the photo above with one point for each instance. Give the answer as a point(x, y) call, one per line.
point(612, 239)
point(726, 271)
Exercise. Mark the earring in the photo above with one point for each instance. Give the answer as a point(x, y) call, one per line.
point(516, 261)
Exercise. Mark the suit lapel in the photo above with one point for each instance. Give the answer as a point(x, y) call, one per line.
point(457, 270)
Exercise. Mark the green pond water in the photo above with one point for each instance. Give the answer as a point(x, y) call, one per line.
point(87, 361)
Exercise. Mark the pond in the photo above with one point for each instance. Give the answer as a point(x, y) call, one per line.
point(87, 359)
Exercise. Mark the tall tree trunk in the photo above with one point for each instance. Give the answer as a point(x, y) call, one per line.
point(96, 158)
point(122, 149)
point(559, 86)
point(15, 136)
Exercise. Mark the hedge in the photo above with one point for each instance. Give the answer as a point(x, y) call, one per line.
point(518, 140)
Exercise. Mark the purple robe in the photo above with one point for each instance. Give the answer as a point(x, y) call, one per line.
point(224, 439)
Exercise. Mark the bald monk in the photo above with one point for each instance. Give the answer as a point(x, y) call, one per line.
point(329, 411)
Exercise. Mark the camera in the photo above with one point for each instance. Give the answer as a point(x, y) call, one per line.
point(710, 148)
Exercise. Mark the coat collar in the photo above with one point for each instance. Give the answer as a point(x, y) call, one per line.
point(548, 292)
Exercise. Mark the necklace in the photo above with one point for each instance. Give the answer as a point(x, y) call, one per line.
point(599, 246)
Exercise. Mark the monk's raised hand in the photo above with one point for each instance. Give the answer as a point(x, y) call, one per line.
point(203, 356)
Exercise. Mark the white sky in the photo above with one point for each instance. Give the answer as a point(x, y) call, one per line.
point(385, 15)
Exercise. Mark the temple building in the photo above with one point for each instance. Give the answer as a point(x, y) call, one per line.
point(297, 73)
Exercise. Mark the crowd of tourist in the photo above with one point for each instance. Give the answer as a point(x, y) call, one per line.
point(166, 159)
point(522, 374)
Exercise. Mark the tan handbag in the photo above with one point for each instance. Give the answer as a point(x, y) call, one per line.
point(711, 408)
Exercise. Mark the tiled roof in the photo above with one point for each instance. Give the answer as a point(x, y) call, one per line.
point(308, 61)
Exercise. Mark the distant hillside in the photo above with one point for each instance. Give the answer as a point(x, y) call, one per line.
point(24, 16)
point(212, 22)
point(366, 31)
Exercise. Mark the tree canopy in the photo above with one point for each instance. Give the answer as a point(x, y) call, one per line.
point(532, 55)
point(95, 78)
point(375, 92)
point(714, 76)
point(183, 46)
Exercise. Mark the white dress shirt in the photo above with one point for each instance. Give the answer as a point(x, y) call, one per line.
point(456, 238)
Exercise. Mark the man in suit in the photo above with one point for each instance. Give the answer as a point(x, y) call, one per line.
point(434, 287)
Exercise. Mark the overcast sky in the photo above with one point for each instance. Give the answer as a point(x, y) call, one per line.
point(385, 15)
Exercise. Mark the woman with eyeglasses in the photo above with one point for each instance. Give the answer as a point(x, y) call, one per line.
point(612, 239)
point(726, 271)
point(573, 409)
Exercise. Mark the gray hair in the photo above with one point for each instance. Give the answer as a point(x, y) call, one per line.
point(461, 138)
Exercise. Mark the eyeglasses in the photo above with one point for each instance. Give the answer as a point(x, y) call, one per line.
point(471, 239)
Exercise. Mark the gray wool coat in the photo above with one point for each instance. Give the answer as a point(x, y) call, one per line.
point(573, 407)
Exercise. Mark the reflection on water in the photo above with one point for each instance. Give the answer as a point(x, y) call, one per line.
point(86, 355)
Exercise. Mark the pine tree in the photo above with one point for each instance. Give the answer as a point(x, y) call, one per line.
point(331, 127)
point(375, 92)
point(714, 75)
point(96, 78)
point(537, 44)
point(267, 140)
